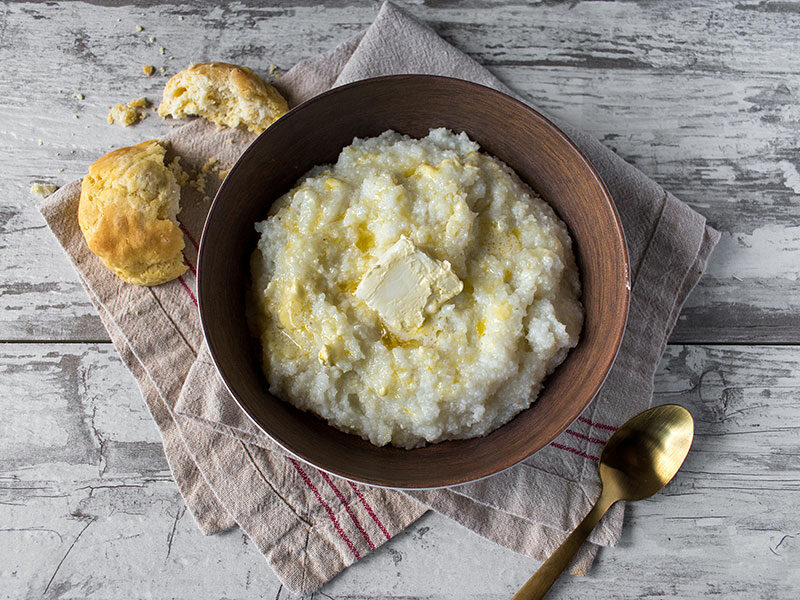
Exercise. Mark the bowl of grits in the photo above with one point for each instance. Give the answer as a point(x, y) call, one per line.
point(413, 281)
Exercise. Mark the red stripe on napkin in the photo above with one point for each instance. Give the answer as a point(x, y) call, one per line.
point(369, 510)
point(588, 438)
point(188, 235)
point(574, 451)
point(327, 508)
point(598, 425)
point(350, 512)
point(188, 290)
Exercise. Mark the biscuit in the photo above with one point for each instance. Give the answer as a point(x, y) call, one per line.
point(224, 94)
point(127, 212)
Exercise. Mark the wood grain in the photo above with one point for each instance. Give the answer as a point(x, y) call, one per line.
point(83, 451)
point(703, 97)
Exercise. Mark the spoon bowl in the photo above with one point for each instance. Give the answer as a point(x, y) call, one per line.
point(646, 452)
point(637, 461)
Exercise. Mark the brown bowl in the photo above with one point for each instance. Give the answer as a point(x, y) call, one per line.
point(314, 133)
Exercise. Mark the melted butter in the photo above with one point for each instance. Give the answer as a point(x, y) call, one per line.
point(426, 171)
point(365, 241)
point(292, 306)
point(481, 326)
point(503, 311)
point(324, 356)
point(501, 243)
point(391, 341)
point(347, 287)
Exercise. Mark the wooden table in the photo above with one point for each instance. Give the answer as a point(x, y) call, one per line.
point(702, 96)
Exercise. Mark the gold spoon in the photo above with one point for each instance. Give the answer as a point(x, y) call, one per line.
point(637, 461)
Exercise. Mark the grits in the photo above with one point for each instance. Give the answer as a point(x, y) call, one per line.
point(468, 361)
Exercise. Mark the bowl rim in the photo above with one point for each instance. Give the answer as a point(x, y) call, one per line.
point(443, 480)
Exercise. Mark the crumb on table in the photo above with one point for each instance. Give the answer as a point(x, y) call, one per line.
point(128, 114)
point(139, 103)
point(43, 189)
point(148, 69)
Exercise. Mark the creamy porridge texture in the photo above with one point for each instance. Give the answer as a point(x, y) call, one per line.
point(415, 291)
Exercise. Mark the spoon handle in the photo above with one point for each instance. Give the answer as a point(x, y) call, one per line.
point(537, 586)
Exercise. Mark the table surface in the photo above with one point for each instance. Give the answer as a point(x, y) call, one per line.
point(702, 96)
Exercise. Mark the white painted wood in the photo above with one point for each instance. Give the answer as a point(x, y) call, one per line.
point(702, 96)
point(81, 456)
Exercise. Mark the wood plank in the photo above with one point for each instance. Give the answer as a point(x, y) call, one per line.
point(87, 502)
point(700, 95)
point(678, 92)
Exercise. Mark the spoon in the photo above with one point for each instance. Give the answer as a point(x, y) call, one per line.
point(637, 461)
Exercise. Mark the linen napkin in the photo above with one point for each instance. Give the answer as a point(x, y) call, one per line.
point(310, 525)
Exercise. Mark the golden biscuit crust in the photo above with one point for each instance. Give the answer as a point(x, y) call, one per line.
point(224, 94)
point(127, 213)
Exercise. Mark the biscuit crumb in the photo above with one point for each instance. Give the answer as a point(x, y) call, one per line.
point(208, 165)
point(43, 189)
point(123, 115)
point(223, 173)
point(152, 38)
point(162, 50)
point(199, 182)
point(139, 28)
point(75, 116)
point(181, 176)
point(180, 17)
point(163, 71)
point(127, 115)
point(41, 142)
point(148, 70)
point(78, 96)
point(139, 103)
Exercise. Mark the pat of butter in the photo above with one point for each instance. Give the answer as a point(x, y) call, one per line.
point(406, 285)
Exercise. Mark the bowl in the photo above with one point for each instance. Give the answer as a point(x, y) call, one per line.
point(314, 133)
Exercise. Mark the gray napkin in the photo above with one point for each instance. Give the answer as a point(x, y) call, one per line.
point(310, 525)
